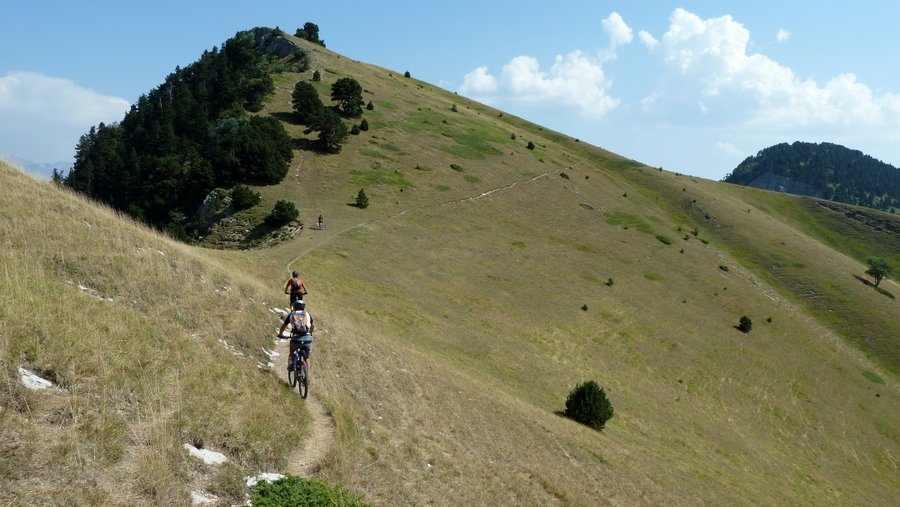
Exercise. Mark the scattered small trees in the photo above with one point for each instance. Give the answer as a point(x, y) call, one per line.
point(530, 145)
point(317, 76)
point(307, 105)
point(362, 200)
point(364, 125)
point(310, 32)
point(745, 324)
point(242, 197)
point(332, 131)
point(283, 213)
point(347, 92)
point(588, 404)
point(879, 269)
point(370, 106)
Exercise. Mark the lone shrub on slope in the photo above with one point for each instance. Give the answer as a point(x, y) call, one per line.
point(362, 200)
point(588, 404)
point(242, 197)
point(282, 213)
point(293, 490)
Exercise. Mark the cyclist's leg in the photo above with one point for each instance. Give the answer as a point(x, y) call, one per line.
point(307, 352)
point(293, 348)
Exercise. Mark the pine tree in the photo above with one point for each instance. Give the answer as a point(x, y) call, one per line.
point(347, 92)
point(362, 200)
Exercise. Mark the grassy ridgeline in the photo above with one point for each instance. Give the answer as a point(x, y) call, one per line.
point(136, 349)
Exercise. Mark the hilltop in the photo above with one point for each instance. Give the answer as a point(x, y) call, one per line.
point(824, 170)
point(498, 265)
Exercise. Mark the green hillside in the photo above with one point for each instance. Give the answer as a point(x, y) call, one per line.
point(455, 313)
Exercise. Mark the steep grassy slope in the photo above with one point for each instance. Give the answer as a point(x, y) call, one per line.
point(473, 293)
point(790, 245)
point(142, 335)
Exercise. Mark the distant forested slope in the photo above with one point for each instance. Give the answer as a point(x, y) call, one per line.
point(191, 134)
point(825, 170)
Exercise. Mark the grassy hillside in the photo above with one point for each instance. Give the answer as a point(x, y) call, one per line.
point(151, 344)
point(454, 315)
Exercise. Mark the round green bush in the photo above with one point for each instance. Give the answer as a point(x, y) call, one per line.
point(282, 213)
point(242, 197)
point(588, 404)
point(293, 490)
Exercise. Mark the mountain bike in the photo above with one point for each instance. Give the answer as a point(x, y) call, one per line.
point(298, 376)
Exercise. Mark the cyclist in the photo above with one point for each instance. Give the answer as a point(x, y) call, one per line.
point(295, 287)
point(321, 222)
point(302, 326)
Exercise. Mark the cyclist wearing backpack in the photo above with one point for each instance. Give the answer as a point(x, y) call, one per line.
point(302, 326)
point(295, 287)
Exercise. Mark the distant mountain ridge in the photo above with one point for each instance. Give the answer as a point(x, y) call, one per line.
point(824, 170)
point(40, 169)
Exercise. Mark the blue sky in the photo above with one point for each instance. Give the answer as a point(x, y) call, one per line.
point(691, 86)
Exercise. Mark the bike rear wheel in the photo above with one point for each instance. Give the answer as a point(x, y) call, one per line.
point(303, 380)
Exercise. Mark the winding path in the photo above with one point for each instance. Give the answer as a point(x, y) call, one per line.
point(306, 461)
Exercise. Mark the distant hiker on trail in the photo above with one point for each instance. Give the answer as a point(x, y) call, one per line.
point(321, 223)
point(302, 326)
point(295, 287)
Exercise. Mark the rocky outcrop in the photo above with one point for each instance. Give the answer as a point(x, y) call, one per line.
point(270, 43)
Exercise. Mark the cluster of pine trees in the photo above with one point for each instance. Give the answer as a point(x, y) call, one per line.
point(835, 172)
point(187, 136)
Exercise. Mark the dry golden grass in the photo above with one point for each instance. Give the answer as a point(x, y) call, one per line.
point(452, 325)
point(136, 349)
point(454, 315)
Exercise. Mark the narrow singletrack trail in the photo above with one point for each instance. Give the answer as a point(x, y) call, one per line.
point(306, 461)
point(331, 236)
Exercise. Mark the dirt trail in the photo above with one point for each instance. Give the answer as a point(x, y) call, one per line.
point(306, 461)
point(304, 251)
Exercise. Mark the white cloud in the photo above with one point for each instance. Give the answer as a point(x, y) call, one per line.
point(648, 103)
point(710, 57)
point(479, 82)
point(648, 40)
point(41, 117)
point(575, 81)
point(728, 149)
point(782, 35)
point(619, 32)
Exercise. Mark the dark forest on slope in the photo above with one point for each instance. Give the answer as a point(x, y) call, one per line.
point(825, 170)
point(190, 135)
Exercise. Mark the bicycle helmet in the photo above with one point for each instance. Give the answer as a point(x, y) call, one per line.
point(299, 304)
point(295, 274)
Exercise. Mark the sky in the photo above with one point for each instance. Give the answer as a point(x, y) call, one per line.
point(691, 86)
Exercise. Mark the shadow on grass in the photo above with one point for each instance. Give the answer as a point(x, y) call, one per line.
point(879, 290)
point(289, 118)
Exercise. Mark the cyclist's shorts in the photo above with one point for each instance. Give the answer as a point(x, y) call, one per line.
point(304, 342)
